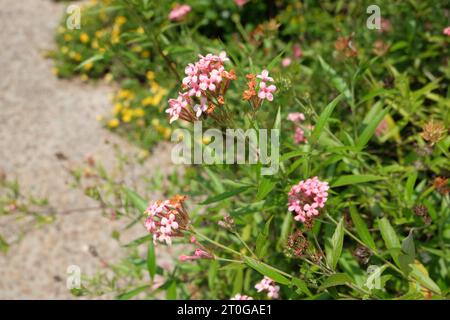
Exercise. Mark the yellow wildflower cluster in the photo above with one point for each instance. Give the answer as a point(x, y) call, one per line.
point(157, 92)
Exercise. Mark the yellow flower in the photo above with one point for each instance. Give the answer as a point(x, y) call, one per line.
point(147, 101)
point(117, 108)
point(139, 112)
point(84, 37)
point(109, 77)
point(150, 75)
point(206, 140)
point(68, 37)
point(145, 54)
point(99, 33)
point(55, 71)
point(95, 44)
point(64, 50)
point(166, 133)
point(88, 66)
point(127, 115)
point(113, 123)
point(121, 20)
point(140, 30)
point(125, 94)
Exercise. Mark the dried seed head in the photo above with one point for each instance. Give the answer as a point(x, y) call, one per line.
point(363, 254)
point(296, 244)
point(433, 131)
point(422, 211)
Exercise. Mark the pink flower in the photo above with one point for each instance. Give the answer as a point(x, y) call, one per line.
point(240, 3)
point(176, 107)
point(381, 129)
point(238, 296)
point(446, 31)
point(296, 117)
point(267, 284)
point(264, 76)
point(297, 51)
point(299, 136)
point(286, 62)
point(166, 219)
point(179, 12)
point(265, 91)
point(307, 197)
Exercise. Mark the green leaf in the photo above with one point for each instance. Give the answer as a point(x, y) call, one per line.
point(132, 293)
point(361, 228)
point(225, 195)
point(136, 200)
point(323, 119)
point(261, 241)
point(266, 271)
point(266, 185)
point(4, 246)
point(336, 279)
point(424, 280)
point(408, 253)
point(337, 81)
point(355, 179)
point(409, 187)
point(139, 241)
point(334, 252)
point(151, 259)
point(389, 237)
point(238, 281)
point(301, 285)
point(92, 59)
point(171, 292)
point(369, 130)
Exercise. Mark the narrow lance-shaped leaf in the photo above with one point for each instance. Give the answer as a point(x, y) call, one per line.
point(390, 238)
point(361, 228)
point(369, 130)
point(266, 271)
point(355, 179)
point(337, 241)
point(323, 119)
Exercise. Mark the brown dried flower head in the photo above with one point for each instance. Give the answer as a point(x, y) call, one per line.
point(433, 131)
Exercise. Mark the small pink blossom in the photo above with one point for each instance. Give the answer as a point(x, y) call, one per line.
point(267, 284)
point(381, 128)
point(297, 51)
point(299, 136)
point(446, 31)
point(286, 62)
point(239, 296)
point(296, 117)
point(240, 3)
point(179, 12)
point(266, 92)
point(264, 76)
point(307, 197)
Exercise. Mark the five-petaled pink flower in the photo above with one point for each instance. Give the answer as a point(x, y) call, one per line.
point(179, 12)
point(264, 76)
point(265, 91)
point(296, 117)
point(307, 197)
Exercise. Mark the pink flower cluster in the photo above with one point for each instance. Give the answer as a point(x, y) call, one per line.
point(297, 118)
point(166, 219)
point(203, 79)
point(307, 197)
point(266, 91)
point(179, 12)
point(446, 31)
point(241, 297)
point(268, 285)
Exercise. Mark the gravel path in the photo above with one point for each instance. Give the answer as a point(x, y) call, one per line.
point(40, 116)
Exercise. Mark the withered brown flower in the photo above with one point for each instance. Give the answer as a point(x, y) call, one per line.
point(433, 131)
